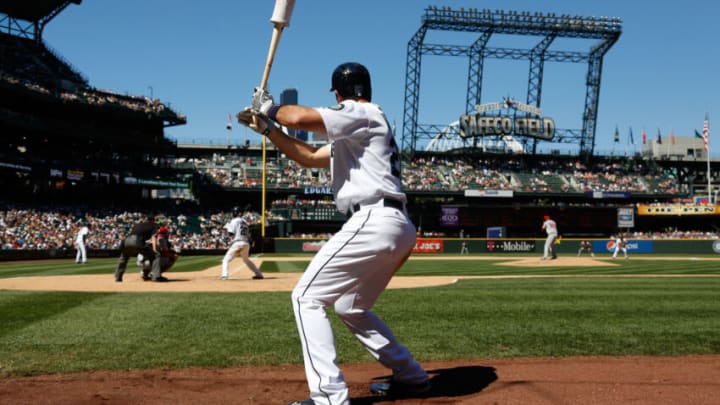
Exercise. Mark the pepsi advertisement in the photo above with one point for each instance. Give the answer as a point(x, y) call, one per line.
point(633, 246)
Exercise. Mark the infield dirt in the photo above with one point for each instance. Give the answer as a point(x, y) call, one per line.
point(241, 279)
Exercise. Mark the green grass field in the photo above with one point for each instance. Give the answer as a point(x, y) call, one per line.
point(48, 332)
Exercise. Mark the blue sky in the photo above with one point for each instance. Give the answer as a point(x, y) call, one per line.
point(204, 58)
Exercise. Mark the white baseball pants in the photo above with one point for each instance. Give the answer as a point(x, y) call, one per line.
point(549, 249)
point(242, 249)
point(81, 255)
point(349, 272)
point(618, 249)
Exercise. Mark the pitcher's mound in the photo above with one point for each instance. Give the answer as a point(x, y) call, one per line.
point(559, 262)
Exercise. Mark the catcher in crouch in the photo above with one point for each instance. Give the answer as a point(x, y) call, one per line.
point(163, 250)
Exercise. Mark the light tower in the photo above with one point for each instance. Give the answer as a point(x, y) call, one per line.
point(604, 31)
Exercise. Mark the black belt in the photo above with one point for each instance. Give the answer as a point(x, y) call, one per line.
point(387, 202)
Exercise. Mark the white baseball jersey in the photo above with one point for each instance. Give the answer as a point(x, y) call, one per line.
point(620, 243)
point(550, 227)
point(239, 228)
point(82, 233)
point(353, 268)
point(365, 164)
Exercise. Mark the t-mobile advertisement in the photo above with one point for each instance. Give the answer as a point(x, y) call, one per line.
point(510, 246)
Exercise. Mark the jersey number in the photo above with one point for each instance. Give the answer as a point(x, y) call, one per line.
point(395, 156)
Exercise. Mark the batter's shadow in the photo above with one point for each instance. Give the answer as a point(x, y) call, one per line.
point(446, 382)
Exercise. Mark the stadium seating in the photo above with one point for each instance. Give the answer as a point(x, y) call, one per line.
point(454, 175)
point(61, 158)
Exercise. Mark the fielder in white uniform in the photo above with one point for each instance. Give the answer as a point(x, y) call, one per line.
point(620, 244)
point(550, 227)
point(239, 228)
point(354, 267)
point(80, 243)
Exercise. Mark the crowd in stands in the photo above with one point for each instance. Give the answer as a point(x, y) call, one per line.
point(235, 171)
point(45, 228)
point(31, 68)
point(91, 97)
point(674, 234)
point(41, 228)
point(302, 203)
point(450, 173)
point(311, 235)
point(35, 67)
point(25, 58)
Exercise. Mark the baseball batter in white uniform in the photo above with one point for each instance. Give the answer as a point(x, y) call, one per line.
point(550, 227)
point(354, 267)
point(80, 243)
point(239, 228)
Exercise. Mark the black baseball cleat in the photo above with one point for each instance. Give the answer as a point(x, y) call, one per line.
point(397, 389)
point(258, 277)
point(305, 402)
point(160, 279)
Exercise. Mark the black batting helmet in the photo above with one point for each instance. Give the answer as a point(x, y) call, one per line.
point(352, 80)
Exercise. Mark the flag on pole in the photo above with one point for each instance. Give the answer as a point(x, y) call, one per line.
point(617, 134)
point(644, 137)
point(706, 142)
point(659, 140)
point(632, 141)
point(701, 136)
point(229, 124)
point(706, 133)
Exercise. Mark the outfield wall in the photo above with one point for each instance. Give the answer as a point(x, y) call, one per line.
point(511, 245)
point(452, 246)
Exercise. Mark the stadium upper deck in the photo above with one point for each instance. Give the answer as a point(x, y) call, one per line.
point(33, 10)
point(27, 18)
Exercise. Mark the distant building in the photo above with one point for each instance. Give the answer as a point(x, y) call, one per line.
point(290, 96)
point(683, 148)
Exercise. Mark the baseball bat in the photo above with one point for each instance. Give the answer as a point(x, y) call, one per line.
point(280, 19)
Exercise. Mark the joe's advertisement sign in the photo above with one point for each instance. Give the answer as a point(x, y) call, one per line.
point(428, 246)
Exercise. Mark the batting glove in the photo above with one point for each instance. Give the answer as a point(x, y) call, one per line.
point(259, 123)
point(262, 101)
